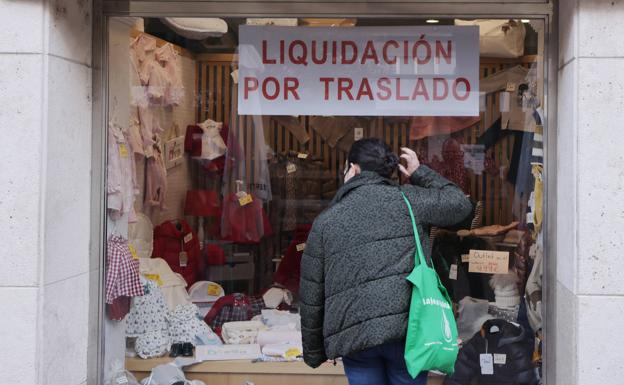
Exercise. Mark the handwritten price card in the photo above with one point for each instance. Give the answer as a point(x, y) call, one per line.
point(489, 262)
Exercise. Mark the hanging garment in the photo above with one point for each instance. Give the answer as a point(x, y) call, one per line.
point(518, 96)
point(244, 223)
point(533, 294)
point(172, 285)
point(121, 175)
point(140, 50)
point(332, 129)
point(260, 179)
point(425, 126)
point(168, 57)
point(294, 125)
point(134, 137)
point(289, 271)
point(497, 337)
point(150, 127)
point(156, 181)
point(122, 276)
point(452, 164)
point(177, 244)
point(537, 206)
point(212, 144)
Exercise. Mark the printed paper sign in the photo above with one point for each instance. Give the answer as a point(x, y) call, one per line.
point(489, 262)
point(408, 71)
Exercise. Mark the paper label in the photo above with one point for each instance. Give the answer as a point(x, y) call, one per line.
point(188, 237)
point(487, 364)
point(511, 87)
point(290, 168)
point(122, 380)
point(301, 247)
point(293, 353)
point(183, 256)
point(489, 262)
point(155, 278)
point(133, 251)
point(302, 155)
point(245, 200)
point(500, 359)
point(214, 290)
point(453, 272)
point(465, 258)
point(358, 133)
point(123, 150)
point(505, 101)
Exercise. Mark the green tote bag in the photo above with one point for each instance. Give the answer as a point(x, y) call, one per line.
point(431, 342)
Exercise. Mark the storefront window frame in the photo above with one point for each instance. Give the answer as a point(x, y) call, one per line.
point(528, 9)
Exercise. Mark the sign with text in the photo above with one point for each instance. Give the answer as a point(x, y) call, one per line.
point(489, 262)
point(360, 71)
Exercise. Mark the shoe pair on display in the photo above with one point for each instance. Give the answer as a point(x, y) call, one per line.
point(181, 349)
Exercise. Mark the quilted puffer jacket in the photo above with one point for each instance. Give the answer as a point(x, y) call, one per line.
point(353, 291)
point(512, 364)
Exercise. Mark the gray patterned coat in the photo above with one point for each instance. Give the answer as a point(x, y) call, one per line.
point(353, 293)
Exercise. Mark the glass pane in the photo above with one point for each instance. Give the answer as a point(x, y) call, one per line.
point(230, 141)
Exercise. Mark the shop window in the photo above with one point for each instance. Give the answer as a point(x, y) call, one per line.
point(209, 209)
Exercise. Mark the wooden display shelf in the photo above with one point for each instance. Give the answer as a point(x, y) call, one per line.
point(260, 373)
point(242, 371)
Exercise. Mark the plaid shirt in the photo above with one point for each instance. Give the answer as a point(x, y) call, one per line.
point(122, 271)
point(234, 307)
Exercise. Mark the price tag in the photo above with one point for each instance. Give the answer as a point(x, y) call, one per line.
point(188, 237)
point(155, 278)
point(133, 251)
point(290, 168)
point(487, 364)
point(214, 290)
point(302, 155)
point(465, 258)
point(293, 353)
point(358, 133)
point(301, 247)
point(500, 359)
point(183, 257)
point(245, 200)
point(511, 87)
point(123, 150)
point(453, 272)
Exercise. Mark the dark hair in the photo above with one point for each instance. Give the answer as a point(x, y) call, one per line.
point(374, 154)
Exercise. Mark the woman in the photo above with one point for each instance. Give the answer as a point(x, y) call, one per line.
point(354, 295)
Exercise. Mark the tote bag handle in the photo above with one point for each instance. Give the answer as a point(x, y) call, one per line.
point(419, 251)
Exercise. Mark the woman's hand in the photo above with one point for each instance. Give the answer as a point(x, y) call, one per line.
point(412, 161)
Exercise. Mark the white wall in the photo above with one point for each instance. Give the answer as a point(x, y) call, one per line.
point(45, 94)
point(590, 217)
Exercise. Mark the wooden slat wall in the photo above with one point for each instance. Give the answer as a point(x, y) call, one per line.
point(218, 101)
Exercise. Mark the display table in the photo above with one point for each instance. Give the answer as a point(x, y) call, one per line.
point(261, 373)
point(240, 372)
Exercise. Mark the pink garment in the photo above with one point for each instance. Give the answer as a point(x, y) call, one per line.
point(121, 177)
point(168, 57)
point(135, 138)
point(153, 78)
point(156, 181)
point(150, 126)
point(139, 50)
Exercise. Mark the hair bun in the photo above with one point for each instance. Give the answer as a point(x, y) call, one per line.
point(392, 161)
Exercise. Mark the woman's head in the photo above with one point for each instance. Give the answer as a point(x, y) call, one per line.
point(371, 155)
